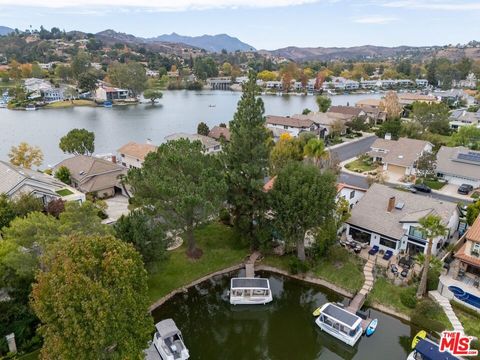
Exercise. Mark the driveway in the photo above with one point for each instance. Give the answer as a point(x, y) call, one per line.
point(117, 206)
point(451, 191)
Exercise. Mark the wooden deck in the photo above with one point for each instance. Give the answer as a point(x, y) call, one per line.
point(250, 264)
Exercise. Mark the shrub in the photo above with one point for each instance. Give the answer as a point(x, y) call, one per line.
point(408, 298)
point(425, 314)
point(225, 217)
point(433, 279)
point(297, 266)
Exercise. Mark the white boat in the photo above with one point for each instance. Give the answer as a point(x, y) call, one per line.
point(168, 341)
point(244, 291)
point(340, 323)
point(30, 107)
point(426, 349)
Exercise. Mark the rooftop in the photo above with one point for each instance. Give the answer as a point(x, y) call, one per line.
point(289, 121)
point(371, 211)
point(218, 132)
point(208, 142)
point(250, 283)
point(459, 161)
point(403, 152)
point(137, 150)
point(473, 233)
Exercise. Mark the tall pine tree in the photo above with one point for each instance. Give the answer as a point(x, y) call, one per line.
point(246, 161)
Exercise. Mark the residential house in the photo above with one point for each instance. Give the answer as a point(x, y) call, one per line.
point(462, 117)
point(459, 165)
point(373, 115)
point(370, 103)
point(151, 73)
point(463, 275)
point(109, 93)
point(327, 123)
point(410, 98)
point(351, 193)
point(219, 132)
point(389, 218)
point(15, 180)
point(40, 88)
point(421, 82)
point(470, 82)
point(399, 157)
point(341, 84)
point(133, 154)
point(219, 83)
point(210, 145)
point(94, 175)
point(293, 125)
point(352, 111)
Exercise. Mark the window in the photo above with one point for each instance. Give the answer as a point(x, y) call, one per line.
point(413, 231)
point(475, 249)
point(359, 235)
point(388, 243)
point(352, 194)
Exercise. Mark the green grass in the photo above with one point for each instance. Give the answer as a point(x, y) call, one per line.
point(469, 319)
point(222, 248)
point(68, 104)
point(34, 355)
point(433, 184)
point(360, 165)
point(64, 192)
point(339, 267)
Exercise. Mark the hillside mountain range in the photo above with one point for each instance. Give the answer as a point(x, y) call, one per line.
point(212, 43)
point(4, 30)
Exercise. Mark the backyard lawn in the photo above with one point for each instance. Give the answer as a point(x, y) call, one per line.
point(362, 164)
point(67, 104)
point(433, 184)
point(469, 319)
point(222, 248)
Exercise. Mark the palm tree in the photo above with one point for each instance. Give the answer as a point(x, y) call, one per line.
point(315, 149)
point(431, 227)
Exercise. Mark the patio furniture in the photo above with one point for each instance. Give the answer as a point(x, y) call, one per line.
point(373, 250)
point(357, 249)
point(388, 255)
point(394, 269)
point(404, 273)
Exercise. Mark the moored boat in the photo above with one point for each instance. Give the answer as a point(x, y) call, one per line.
point(371, 327)
point(168, 341)
point(245, 291)
point(426, 349)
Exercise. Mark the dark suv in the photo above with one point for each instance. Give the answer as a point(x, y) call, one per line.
point(465, 189)
point(422, 187)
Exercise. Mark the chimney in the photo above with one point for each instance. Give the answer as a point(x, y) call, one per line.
point(391, 204)
point(114, 159)
point(388, 136)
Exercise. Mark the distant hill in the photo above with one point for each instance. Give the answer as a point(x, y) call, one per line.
point(5, 30)
point(212, 43)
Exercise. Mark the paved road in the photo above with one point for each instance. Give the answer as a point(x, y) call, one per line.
point(349, 150)
point(361, 181)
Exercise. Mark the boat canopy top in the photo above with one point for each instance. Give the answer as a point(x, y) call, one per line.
point(167, 328)
point(430, 351)
point(249, 283)
point(341, 315)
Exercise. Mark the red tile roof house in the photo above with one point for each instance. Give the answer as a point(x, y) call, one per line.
point(462, 280)
point(218, 132)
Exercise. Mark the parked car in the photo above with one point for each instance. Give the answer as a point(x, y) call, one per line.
point(422, 187)
point(465, 189)
point(410, 187)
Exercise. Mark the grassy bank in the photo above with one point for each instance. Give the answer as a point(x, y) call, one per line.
point(433, 184)
point(222, 248)
point(68, 104)
point(339, 267)
point(469, 318)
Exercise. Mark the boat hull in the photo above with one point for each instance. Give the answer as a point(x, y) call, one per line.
point(250, 301)
point(346, 339)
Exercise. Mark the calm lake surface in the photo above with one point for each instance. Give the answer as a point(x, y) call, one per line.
point(282, 330)
point(178, 111)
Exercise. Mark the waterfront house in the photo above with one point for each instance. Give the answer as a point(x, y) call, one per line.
point(326, 123)
point(389, 219)
point(110, 93)
point(219, 132)
point(352, 111)
point(294, 125)
point(373, 115)
point(133, 154)
point(40, 88)
point(410, 98)
point(461, 281)
point(15, 180)
point(459, 165)
point(93, 175)
point(398, 157)
point(210, 145)
point(370, 103)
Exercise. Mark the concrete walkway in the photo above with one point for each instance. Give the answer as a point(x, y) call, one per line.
point(360, 298)
point(447, 307)
point(250, 264)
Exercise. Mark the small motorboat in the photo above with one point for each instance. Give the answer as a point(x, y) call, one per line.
point(30, 107)
point(168, 341)
point(317, 311)
point(107, 104)
point(371, 327)
point(212, 105)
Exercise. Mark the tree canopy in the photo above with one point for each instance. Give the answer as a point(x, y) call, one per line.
point(284, 151)
point(433, 117)
point(25, 155)
point(202, 129)
point(180, 184)
point(152, 95)
point(63, 174)
point(302, 199)
point(129, 76)
point(323, 103)
point(99, 286)
point(78, 142)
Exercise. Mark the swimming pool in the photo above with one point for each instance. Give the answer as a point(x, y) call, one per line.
point(469, 298)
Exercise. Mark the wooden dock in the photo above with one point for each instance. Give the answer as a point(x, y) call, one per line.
point(250, 264)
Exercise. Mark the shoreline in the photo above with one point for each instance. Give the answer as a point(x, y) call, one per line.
point(305, 278)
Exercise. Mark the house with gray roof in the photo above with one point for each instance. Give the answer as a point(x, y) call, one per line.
point(293, 125)
point(462, 117)
point(94, 175)
point(398, 157)
point(210, 144)
point(15, 180)
point(389, 218)
point(459, 165)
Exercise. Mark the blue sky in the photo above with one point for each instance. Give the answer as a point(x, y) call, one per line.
point(264, 24)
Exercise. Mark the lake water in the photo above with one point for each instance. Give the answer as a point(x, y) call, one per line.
point(282, 330)
point(178, 111)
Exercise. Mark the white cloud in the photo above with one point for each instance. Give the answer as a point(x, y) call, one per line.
point(375, 19)
point(434, 5)
point(159, 5)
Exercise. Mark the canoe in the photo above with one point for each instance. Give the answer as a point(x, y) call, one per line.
point(371, 327)
point(422, 334)
point(316, 312)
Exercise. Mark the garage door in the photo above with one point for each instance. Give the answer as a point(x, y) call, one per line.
point(396, 172)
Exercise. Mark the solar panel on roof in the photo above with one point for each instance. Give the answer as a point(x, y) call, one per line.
point(340, 314)
point(249, 283)
point(470, 156)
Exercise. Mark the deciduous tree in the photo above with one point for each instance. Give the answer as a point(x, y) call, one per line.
point(78, 142)
point(63, 174)
point(180, 184)
point(426, 165)
point(203, 129)
point(323, 103)
point(129, 76)
point(25, 155)
point(284, 151)
point(152, 95)
point(391, 106)
point(99, 286)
